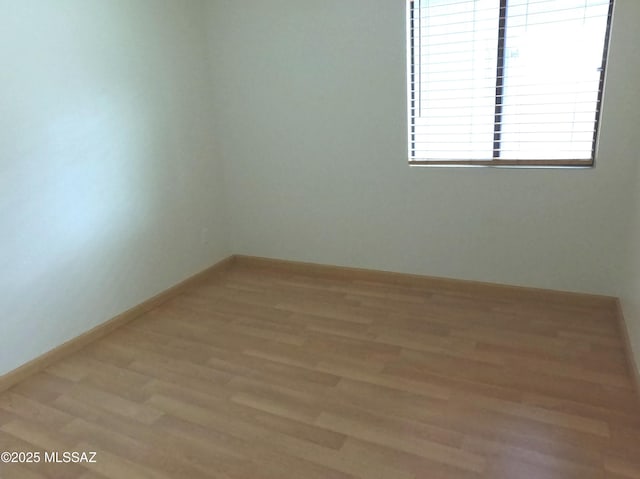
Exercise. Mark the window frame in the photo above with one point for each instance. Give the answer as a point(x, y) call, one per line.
point(495, 162)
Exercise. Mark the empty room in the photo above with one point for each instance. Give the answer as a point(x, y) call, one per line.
point(366, 239)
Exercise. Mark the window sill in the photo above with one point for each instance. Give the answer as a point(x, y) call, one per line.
point(580, 164)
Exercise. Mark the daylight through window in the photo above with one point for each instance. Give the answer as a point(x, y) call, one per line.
point(506, 82)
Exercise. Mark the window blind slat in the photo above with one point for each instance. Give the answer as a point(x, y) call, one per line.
point(506, 79)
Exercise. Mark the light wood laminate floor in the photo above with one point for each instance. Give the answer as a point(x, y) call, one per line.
point(271, 374)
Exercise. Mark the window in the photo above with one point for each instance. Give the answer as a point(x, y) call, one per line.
point(506, 82)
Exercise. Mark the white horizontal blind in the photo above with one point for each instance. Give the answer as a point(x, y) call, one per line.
point(514, 80)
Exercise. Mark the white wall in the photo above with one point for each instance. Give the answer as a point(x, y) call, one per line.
point(310, 103)
point(109, 192)
point(111, 188)
point(630, 287)
point(630, 292)
point(627, 57)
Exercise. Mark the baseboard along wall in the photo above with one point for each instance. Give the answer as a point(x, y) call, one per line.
point(75, 344)
point(472, 288)
point(634, 370)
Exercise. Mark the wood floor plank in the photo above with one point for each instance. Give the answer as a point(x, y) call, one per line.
point(272, 373)
point(412, 443)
